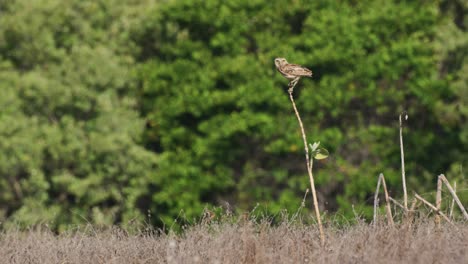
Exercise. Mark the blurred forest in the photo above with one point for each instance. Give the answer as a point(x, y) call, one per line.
point(113, 111)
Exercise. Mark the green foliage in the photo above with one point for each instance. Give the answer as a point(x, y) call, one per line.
point(219, 109)
point(69, 128)
point(114, 110)
point(318, 152)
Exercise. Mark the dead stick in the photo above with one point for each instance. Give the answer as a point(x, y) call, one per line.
point(433, 208)
point(438, 199)
point(397, 203)
point(403, 176)
point(453, 200)
point(309, 165)
point(413, 205)
point(376, 200)
point(411, 211)
point(449, 187)
point(387, 200)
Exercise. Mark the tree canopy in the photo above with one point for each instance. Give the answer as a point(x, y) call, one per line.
point(113, 111)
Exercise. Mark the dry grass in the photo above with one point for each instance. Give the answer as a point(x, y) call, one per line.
point(243, 243)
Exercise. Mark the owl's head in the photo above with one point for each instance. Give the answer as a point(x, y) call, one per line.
point(279, 62)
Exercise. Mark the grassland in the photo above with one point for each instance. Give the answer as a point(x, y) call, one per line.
point(242, 242)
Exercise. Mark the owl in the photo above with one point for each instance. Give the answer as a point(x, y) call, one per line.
point(292, 72)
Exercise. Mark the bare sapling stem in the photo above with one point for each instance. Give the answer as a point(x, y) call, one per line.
point(376, 200)
point(387, 201)
point(403, 176)
point(449, 187)
point(433, 208)
point(453, 200)
point(309, 163)
point(438, 199)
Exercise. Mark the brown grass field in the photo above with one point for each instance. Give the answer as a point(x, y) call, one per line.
point(242, 243)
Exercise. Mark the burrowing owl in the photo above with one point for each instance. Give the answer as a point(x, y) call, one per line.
point(292, 72)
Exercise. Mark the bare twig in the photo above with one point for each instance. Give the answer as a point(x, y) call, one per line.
point(387, 200)
point(410, 218)
point(305, 196)
point(403, 176)
point(449, 187)
point(376, 201)
point(309, 162)
point(453, 199)
point(397, 203)
point(300, 208)
point(433, 208)
point(438, 199)
point(413, 205)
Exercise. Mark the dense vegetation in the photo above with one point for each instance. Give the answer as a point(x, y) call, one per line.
point(114, 111)
point(288, 242)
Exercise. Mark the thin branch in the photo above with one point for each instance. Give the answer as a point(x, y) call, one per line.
point(413, 205)
point(387, 200)
point(397, 203)
point(449, 187)
point(433, 208)
point(438, 199)
point(409, 219)
point(453, 199)
point(403, 176)
point(306, 148)
point(300, 208)
point(376, 200)
point(309, 162)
